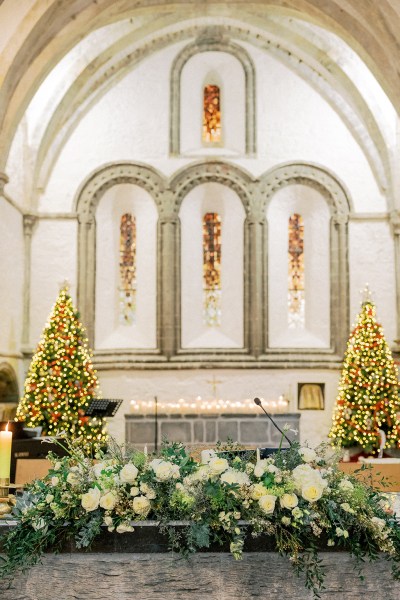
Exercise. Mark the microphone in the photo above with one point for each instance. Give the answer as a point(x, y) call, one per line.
point(259, 403)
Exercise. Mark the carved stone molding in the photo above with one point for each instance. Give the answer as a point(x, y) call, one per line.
point(312, 175)
point(29, 223)
point(213, 172)
point(3, 181)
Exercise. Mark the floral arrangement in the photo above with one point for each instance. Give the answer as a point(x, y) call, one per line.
point(297, 496)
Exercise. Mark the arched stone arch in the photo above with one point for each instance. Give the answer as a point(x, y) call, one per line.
point(86, 203)
point(212, 40)
point(217, 172)
point(339, 203)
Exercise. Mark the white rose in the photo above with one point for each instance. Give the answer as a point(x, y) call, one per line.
point(124, 528)
point(301, 473)
point(101, 466)
point(134, 491)
point(232, 476)
point(108, 521)
point(257, 491)
point(163, 469)
point(90, 500)
point(380, 523)
point(202, 473)
point(141, 505)
point(289, 501)
point(128, 473)
point(308, 454)
point(49, 498)
point(267, 503)
point(297, 512)
point(218, 465)
point(54, 481)
point(108, 501)
point(57, 466)
point(260, 468)
point(312, 491)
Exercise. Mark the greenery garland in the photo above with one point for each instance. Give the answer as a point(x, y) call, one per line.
point(297, 496)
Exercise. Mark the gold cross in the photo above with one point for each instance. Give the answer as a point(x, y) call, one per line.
point(214, 382)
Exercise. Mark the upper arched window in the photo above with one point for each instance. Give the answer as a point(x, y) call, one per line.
point(212, 268)
point(127, 268)
point(212, 131)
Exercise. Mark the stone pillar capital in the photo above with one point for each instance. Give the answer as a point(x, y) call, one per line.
point(29, 224)
point(340, 219)
point(395, 221)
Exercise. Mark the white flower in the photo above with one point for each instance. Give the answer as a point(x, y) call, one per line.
point(134, 491)
point(128, 473)
point(54, 481)
point(380, 523)
point(301, 473)
point(90, 500)
point(164, 469)
point(312, 491)
point(39, 524)
point(346, 486)
point(261, 467)
point(108, 501)
point(141, 505)
point(57, 466)
point(289, 501)
point(217, 465)
point(124, 528)
point(297, 512)
point(307, 454)
point(286, 520)
point(147, 491)
point(347, 508)
point(233, 476)
point(258, 491)
point(108, 521)
point(98, 468)
point(267, 503)
point(72, 478)
point(49, 498)
point(331, 543)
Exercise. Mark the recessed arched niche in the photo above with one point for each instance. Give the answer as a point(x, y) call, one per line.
point(126, 283)
point(299, 269)
point(212, 205)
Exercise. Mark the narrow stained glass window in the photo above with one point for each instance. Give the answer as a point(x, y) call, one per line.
point(127, 269)
point(212, 269)
point(211, 114)
point(296, 303)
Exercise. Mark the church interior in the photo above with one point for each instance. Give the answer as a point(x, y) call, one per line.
point(218, 182)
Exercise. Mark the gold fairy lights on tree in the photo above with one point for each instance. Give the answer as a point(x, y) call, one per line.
point(61, 381)
point(368, 397)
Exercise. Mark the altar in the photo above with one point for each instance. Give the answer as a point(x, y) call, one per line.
point(138, 565)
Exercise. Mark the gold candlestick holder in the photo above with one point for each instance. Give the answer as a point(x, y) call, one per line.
point(7, 500)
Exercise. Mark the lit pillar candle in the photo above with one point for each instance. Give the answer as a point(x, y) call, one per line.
point(5, 453)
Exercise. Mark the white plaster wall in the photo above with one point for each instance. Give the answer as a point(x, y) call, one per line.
point(109, 332)
point(226, 71)
point(212, 197)
point(11, 269)
point(311, 205)
point(371, 257)
point(131, 122)
point(54, 250)
point(235, 385)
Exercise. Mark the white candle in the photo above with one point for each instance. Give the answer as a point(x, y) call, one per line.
point(145, 450)
point(258, 454)
point(5, 453)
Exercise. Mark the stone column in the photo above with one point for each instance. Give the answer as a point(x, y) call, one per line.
point(339, 282)
point(87, 273)
point(168, 279)
point(29, 223)
point(395, 223)
point(3, 181)
point(254, 284)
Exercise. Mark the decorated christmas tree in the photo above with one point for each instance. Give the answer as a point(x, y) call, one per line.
point(368, 398)
point(61, 380)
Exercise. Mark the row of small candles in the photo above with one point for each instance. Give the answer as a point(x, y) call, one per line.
point(212, 406)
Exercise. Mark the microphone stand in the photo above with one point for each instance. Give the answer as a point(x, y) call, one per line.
point(259, 403)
